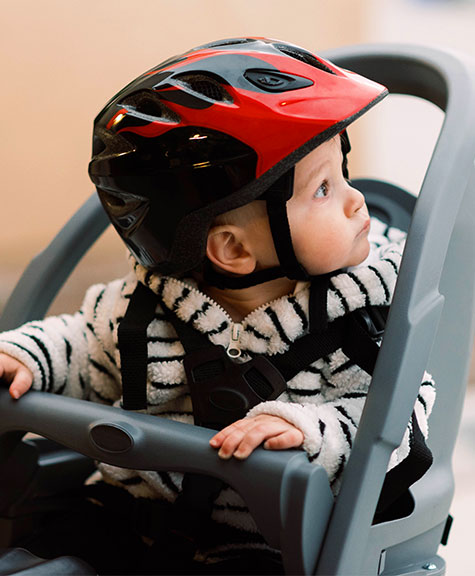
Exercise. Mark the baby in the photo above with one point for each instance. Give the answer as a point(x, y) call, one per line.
point(224, 170)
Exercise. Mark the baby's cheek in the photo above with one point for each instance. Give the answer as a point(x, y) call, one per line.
point(322, 261)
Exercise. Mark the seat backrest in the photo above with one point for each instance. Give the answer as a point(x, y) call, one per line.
point(47, 272)
point(430, 326)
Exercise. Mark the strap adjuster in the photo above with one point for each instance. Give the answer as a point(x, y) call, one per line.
point(373, 320)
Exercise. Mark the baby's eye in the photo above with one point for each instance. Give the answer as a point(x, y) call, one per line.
point(321, 191)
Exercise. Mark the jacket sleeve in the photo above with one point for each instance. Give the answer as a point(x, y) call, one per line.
point(329, 428)
point(65, 352)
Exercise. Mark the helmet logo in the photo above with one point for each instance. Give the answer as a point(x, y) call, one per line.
point(271, 81)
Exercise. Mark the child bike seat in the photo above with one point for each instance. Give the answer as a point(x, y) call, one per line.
point(430, 326)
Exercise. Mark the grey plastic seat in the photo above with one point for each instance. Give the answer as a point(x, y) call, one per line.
point(431, 326)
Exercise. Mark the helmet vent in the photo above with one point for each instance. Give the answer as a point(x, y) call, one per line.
point(227, 42)
point(107, 145)
point(98, 145)
point(303, 56)
point(204, 85)
point(146, 105)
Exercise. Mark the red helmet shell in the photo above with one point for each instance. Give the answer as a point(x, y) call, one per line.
point(269, 102)
point(273, 123)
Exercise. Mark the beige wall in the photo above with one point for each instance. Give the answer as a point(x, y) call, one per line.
point(404, 130)
point(61, 60)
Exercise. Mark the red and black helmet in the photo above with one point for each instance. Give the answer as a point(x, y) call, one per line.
point(212, 130)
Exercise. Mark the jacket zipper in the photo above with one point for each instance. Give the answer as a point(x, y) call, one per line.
point(234, 350)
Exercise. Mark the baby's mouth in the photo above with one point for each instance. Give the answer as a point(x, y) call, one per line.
point(365, 227)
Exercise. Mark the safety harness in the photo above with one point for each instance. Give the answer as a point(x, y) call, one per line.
point(223, 390)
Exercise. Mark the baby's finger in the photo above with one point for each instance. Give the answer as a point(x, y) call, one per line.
point(255, 436)
point(21, 384)
point(8, 368)
point(232, 442)
point(292, 438)
point(218, 439)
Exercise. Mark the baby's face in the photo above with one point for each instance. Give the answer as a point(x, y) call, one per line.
point(328, 218)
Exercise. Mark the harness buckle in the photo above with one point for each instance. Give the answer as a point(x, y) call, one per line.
point(223, 391)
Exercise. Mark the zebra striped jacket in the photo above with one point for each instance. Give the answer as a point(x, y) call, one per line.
point(77, 355)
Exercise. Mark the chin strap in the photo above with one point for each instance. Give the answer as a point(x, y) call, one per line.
point(221, 281)
point(345, 148)
point(276, 200)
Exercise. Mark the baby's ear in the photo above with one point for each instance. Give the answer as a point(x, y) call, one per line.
point(227, 247)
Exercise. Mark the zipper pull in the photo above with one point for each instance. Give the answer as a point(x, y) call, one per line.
point(233, 350)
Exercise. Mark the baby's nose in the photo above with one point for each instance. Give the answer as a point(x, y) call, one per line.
point(355, 201)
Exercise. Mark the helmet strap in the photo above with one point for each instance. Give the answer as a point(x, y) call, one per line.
point(345, 148)
point(276, 198)
point(221, 281)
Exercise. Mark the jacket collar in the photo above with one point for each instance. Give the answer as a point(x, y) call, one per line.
point(269, 329)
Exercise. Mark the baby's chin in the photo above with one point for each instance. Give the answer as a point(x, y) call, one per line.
point(361, 256)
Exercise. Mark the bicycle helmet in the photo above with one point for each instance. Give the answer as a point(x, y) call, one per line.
point(209, 131)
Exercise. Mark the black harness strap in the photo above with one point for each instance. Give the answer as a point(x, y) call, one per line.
point(318, 303)
point(359, 344)
point(132, 335)
point(346, 333)
point(356, 334)
point(198, 492)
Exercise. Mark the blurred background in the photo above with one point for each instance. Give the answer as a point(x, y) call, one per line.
point(60, 61)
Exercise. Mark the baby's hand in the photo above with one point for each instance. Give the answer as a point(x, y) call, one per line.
point(16, 374)
point(244, 436)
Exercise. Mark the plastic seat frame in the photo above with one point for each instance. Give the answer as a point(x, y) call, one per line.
point(430, 326)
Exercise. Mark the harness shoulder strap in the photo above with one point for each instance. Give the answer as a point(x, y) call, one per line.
point(132, 335)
